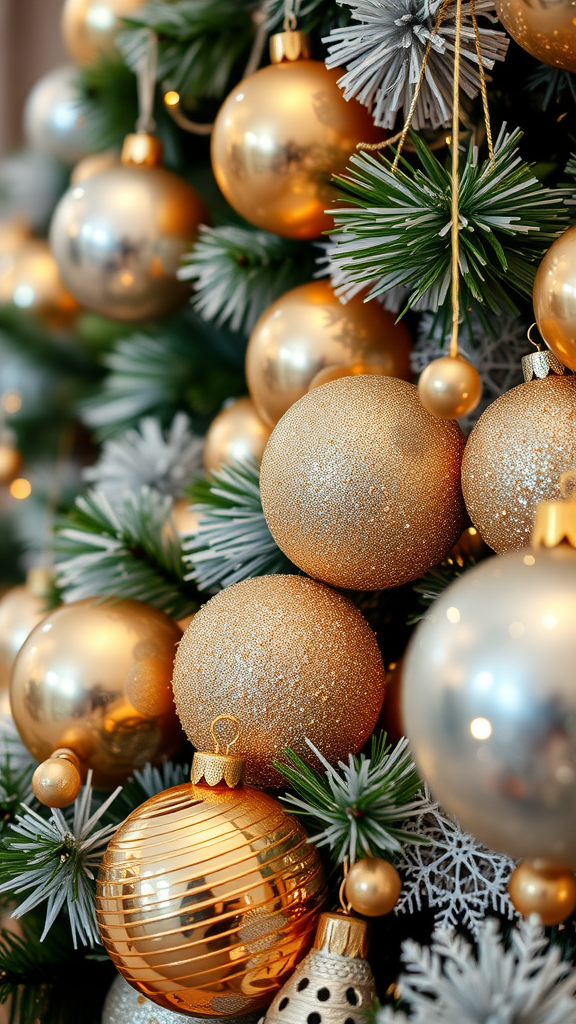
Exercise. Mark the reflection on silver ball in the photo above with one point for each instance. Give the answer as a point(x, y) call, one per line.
point(118, 238)
point(124, 1005)
point(54, 123)
point(489, 701)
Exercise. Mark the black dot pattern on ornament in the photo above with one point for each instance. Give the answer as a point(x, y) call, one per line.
point(352, 996)
point(303, 984)
point(283, 1003)
point(349, 1020)
point(323, 994)
point(314, 1018)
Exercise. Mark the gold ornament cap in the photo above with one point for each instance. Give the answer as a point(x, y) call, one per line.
point(218, 767)
point(342, 935)
point(142, 150)
point(556, 520)
point(541, 364)
point(289, 46)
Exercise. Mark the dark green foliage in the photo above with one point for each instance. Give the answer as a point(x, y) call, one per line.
point(110, 100)
point(553, 85)
point(318, 16)
point(433, 583)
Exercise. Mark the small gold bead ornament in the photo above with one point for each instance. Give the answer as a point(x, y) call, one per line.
point(450, 387)
point(372, 887)
point(539, 887)
point(57, 781)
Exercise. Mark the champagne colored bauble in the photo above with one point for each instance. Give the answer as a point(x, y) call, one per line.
point(331, 373)
point(514, 457)
point(31, 281)
point(537, 887)
point(207, 898)
point(450, 387)
point(309, 329)
point(125, 1005)
point(279, 137)
point(235, 435)
point(293, 658)
point(56, 782)
point(54, 121)
point(89, 27)
point(489, 702)
point(118, 238)
point(372, 887)
point(94, 164)
point(14, 234)
point(20, 611)
point(95, 678)
point(546, 31)
point(555, 296)
point(361, 486)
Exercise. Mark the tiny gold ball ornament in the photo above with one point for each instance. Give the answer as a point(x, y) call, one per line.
point(89, 27)
point(56, 782)
point(372, 887)
point(78, 678)
point(360, 485)
point(514, 457)
point(54, 121)
point(546, 31)
point(279, 137)
point(294, 659)
point(31, 281)
point(309, 329)
point(555, 298)
point(236, 434)
point(450, 387)
point(537, 887)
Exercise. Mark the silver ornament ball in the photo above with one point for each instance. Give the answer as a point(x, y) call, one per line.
point(54, 121)
point(489, 702)
point(124, 1005)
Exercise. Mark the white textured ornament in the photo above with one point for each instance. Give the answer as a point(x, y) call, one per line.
point(124, 1005)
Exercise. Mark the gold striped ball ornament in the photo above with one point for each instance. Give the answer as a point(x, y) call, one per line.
point(208, 894)
point(361, 485)
point(294, 659)
point(515, 456)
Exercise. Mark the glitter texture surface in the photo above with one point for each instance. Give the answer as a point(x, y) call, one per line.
point(291, 659)
point(124, 1005)
point(361, 486)
point(514, 457)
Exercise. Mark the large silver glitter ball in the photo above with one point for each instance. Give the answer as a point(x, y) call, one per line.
point(489, 697)
point(124, 1005)
point(54, 122)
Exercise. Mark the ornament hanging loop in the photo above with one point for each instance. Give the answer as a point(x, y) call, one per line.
point(146, 78)
point(226, 743)
point(346, 907)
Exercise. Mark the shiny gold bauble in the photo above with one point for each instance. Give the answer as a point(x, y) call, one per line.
point(20, 611)
point(279, 137)
point(235, 434)
point(450, 387)
point(95, 678)
point(515, 454)
point(54, 119)
point(94, 164)
point(31, 281)
point(345, 370)
point(555, 296)
point(546, 31)
point(372, 887)
point(118, 238)
point(207, 898)
point(89, 27)
point(361, 486)
point(537, 887)
point(309, 329)
point(293, 658)
point(56, 782)
point(10, 460)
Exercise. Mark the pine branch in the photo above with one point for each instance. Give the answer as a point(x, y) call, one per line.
point(361, 805)
point(131, 550)
point(15, 785)
point(395, 232)
point(554, 85)
point(232, 541)
point(433, 583)
point(110, 100)
point(238, 272)
point(145, 783)
point(313, 15)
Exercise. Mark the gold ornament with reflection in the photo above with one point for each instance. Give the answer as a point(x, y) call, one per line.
point(555, 298)
point(89, 27)
point(30, 280)
point(236, 434)
point(20, 610)
point(546, 30)
point(539, 887)
point(372, 887)
point(450, 387)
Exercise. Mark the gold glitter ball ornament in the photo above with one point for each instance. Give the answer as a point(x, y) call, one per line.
point(547, 31)
point(207, 898)
point(514, 457)
point(293, 658)
point(361, 486)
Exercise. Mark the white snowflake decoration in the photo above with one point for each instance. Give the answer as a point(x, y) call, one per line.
point(148, 457)
point(454, 875)
point(497, 358)
point(449, 983)
point(383, 49)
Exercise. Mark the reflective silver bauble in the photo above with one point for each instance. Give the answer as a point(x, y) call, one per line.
point(54, 121)
point(124, 1005)
point(489, 697)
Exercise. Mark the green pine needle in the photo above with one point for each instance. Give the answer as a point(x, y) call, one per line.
point(110, 101)
point(360, 806)
point(553, 84)
point(395, 230)
point(319, 15)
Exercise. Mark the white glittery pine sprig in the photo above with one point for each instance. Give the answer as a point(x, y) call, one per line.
point(383, 49)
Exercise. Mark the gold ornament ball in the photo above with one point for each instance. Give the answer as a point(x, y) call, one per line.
point(514, 456)
point(10, 461)
point(89, 27)
point(94, 164)
point(279, 137)
point(56, 782)
point(372, 887)
point(118, 238)
point(207, 898)
point(235, 435)
point(20, 611)
point(361, 486)
point(545, 31)
point(293, 658)
point(537, 887)
point(450, 387)
point(555, 298)
point(309, 329)
point(31, 281)
point(78, 677)
point(345, 370)
point(54, 121)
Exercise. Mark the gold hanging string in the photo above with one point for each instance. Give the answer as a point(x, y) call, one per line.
point(482, 78)
point(455, 230)
point(291, 11)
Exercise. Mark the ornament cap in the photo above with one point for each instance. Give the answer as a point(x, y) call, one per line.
point(555, 524)
point(342, 935)
point(289, 46)
point(142, 149)
point(219, 767)
point(541, 364)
